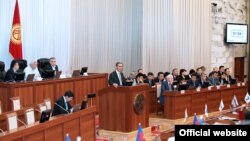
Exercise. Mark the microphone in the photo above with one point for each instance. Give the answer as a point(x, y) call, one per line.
point(2, 131)
point(61, 108)
point(25, 125)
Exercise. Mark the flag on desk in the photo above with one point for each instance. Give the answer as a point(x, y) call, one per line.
point(247, 98)
point(206, 110)
point(195, 121)
point(140, 134)
point(15, 47)
point(185, 115)
point(234, 102)
point(221, 107)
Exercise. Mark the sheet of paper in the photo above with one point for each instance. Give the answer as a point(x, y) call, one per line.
point(43, 108)
point(158, 86)
point(217, 123)
point(171, 139)
point(48, 104)
point(12, 122)
point(16, 104)
point(30, 117)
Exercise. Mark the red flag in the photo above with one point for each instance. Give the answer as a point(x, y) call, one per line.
point(15, 39)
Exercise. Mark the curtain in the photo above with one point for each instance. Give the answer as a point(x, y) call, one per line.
point(176, 34)
point(156, 35)
point(104, 32)
point(45, 29)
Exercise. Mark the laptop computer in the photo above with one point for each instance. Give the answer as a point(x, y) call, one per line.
point(76, 73)
point(19, 76)
point(84, 70)
point(58, 74)
point(45, 116)
point(30, 77)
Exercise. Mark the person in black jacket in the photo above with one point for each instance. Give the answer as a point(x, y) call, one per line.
point(52, 65)
point(116, 78)
point(62, 104)
point(11, 73)
point(150, 79)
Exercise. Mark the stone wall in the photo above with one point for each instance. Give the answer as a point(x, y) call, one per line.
point(222, 12)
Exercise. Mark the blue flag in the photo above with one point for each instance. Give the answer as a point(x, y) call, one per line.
point(140, 135)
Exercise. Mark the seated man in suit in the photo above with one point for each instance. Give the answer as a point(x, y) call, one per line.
point(160, 77)
point(62, 105)
point(116, 78)
point(166, 86)
point(203, 82)
point(222, 79)
point(11, 73)
point(175, 76)
point(193, 82)
point(229, 78)
point(52, 65)
point(221, 70)
point(32, 69)
point(131, 78)
point(139, 78)
point(150, 79)
point(198, 73)
point(214, 80)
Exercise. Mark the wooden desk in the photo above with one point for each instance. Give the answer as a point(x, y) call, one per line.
point(81, 123)
point(176, 103)
point(35, 92)
point(20, 115)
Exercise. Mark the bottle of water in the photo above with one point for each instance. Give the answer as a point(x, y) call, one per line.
point(67, 137)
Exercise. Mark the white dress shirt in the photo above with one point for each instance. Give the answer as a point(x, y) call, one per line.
point(28, 70)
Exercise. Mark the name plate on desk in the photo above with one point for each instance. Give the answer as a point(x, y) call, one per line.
point(218, 87)
point(243, 83)
point(16, 103)
point(12, 121)
point(238, 84)
point(30, 116)
point(47, 103)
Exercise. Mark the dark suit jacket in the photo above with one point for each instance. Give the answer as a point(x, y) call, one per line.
point(213, 81)
point(205, 84)
point(223, 81)
point(58, 110)
point(164, 87)
point(193, 84)
point(49, 67)
point(113, 78)
point(231, 80)
point(150, 83)
point(10, 75)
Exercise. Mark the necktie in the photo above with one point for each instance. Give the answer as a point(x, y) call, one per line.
point(66, 105)
point(170, 87)
point(120, 78)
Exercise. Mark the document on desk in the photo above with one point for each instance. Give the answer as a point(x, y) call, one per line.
point(12, 121)
point(30, 117)
point(48, 104)
point(217, 123)
point(16, 104)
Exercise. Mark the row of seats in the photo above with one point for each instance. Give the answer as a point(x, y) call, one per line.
point(42, 65)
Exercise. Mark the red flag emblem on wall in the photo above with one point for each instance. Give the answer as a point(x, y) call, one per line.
point(15, 48)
